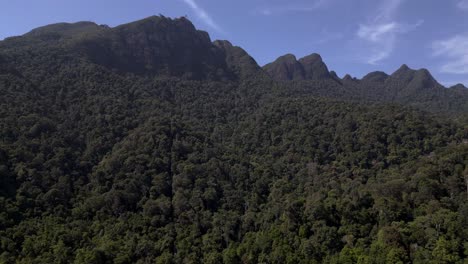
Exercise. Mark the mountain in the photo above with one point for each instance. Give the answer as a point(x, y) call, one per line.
point(149, 143)
point(168, 47)
point(314, 67)
point(287, 68)
point(155, 45)
point(405, 86)
point(413, 80)
point(459, 87)
point(375, 77)
point(239, 62)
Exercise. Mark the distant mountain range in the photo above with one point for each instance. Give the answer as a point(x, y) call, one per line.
point(407, 86)
point(160, 46)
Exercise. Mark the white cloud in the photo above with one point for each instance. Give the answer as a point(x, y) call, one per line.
point(387, 10)
point(203, 15)
point(463, 4)
point(292, 8)
point(376, 33)
point(379, 55)
point(326, 36)
point(381, 32)
point(455, 50)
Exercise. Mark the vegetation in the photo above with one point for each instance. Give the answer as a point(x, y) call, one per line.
point(103, 165)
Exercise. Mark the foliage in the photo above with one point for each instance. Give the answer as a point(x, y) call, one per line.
point(103, 166)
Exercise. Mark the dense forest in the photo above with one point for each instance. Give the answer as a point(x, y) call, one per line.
point(148, 143)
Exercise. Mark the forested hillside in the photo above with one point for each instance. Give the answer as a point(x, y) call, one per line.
point(148, 143)
point(405, 86)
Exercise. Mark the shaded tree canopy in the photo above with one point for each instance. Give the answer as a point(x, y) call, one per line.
point(148, 143)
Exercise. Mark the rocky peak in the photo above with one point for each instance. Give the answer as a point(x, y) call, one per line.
point(156, 45)
point(65, 29)
point(349, 78)
point(377, 76)
point(314, 67)
point(459, 86)
point(404, 67)
point(285, 68)
point(334, 75)
point(413, 80)
point(403, 73)
point(237, 59)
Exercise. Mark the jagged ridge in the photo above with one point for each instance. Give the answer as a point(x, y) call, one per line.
point(161, 46)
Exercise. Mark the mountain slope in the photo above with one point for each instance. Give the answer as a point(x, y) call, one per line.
point(155, 45)
point(116, 148)
point(287, 68)
point(417, 88)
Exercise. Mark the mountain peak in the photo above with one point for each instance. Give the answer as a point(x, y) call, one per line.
point(377, 76)
point(285, 68)
point(458, 86)
point(403, 70)
point(159, 45)
point(348, 77)
point(413, 80)
point(223, 44)
point(425, 74)
point(288, 57)
point(404, 67)
point(65, 29)
point(314, 67)
point(334, 75)
point(163, 25)
point(237, 59)
point(312, 58)
point(160, 20)
point(156, 45)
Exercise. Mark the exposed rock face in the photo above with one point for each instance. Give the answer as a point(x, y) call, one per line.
point(156, 45)
point(61, 30)
point(411, 81)
point(377, 76)
point(348, 78)
point(314, 67)
point(287, 67)
point(161, 46)
point(459, 86)
point(238, 61)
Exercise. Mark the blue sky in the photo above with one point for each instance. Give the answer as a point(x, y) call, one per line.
point(353, 36)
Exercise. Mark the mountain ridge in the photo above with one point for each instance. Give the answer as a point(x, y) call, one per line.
point(154, 45)
point(309, 67)
point(288, 68)
point(164, 47)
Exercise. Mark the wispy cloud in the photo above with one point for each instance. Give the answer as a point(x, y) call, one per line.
point(326, 36)
point(203, 15)
point(291, 8)
point(382, 31)
point(455, 50)
point(463, 4)
point(375, 33)
point(387, 10)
